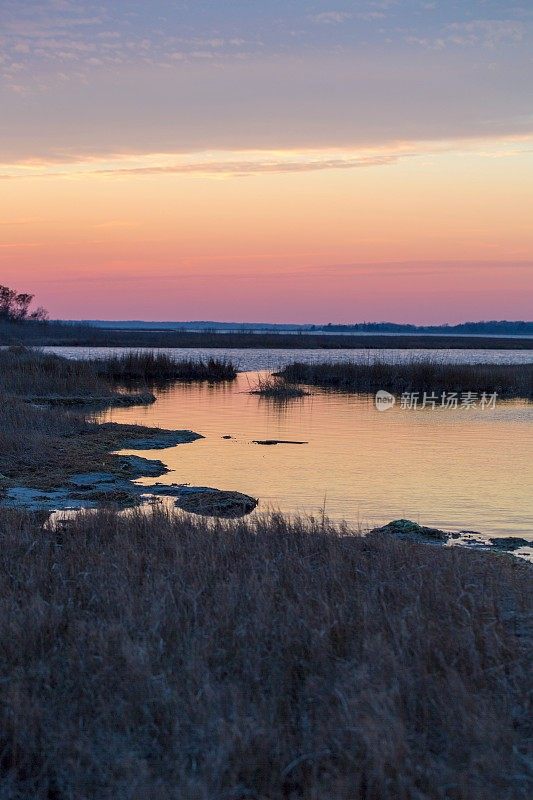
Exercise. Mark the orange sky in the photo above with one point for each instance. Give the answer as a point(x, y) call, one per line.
point(428, 237)
point(268, 163)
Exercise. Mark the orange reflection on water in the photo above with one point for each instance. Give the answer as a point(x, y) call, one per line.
point(456, 469)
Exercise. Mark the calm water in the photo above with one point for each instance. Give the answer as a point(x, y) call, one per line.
point(266, 359)
point(454, 469)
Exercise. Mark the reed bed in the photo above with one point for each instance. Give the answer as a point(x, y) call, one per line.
point(153, 366)
point(32, 374)
point(163, 656)
point(507, 380)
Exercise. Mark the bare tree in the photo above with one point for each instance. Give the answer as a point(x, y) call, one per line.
point(15, 306)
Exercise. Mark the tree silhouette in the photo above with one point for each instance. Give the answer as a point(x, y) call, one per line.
point(15, 306)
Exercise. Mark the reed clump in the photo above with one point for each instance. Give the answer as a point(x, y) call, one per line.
point(165, 656)
point(507, 380)
point(275, 388)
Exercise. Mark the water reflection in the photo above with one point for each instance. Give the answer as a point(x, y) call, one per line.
point(446, 468)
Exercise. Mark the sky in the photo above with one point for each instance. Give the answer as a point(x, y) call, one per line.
point(291, 161)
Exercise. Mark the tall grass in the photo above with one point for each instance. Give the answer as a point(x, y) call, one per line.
point(154, 366)
point(275, 388)
point(40, 446)
point(36, 442)
point(37, 375)
point(508, 380)
point(33, 374)
point(160, 656)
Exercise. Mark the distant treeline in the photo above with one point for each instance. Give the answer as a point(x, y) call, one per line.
point(485, 328)
point(502, 327)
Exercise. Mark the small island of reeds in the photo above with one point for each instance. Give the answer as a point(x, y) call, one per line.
point(416, 375)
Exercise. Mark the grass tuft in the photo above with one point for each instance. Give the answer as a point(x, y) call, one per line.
point(276, 388)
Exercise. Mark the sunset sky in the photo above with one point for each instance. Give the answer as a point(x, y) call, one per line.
point(284, 161)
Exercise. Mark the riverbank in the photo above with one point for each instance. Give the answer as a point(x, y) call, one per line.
point(164, 655)
point(50, 438)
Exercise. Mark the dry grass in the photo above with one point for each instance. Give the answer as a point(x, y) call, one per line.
point(275, 388)
point(36, 375)
point(508, 380)
point(31, 374)
point(163, 657)
point(153, 366)
point(36, 440)
point(41, 446)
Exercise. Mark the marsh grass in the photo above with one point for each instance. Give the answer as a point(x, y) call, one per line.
point(31, 374)
point(155, 367)
point(164, 656)
point(508, 380)
point(275, 388)
point(41, 446)
point(34, 440)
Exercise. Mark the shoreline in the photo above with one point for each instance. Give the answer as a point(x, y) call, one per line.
point(80, 467)
point(62, 336)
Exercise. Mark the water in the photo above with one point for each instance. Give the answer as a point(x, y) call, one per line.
point(453, 469)
point(272, 359)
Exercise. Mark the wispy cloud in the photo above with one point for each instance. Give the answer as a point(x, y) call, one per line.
point(172, 77)
point(236, 168)
point(488, 32)
point(258, 167)
point(331, 17)
point(480, 32)
point(254, 163)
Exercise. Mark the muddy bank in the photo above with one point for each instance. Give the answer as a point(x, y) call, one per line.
point(411, 531)
point(56, 456)
point(93, 489)
point(116, 485)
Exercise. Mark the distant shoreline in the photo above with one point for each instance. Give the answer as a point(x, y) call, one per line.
point(514, 328)
point(99, 337)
